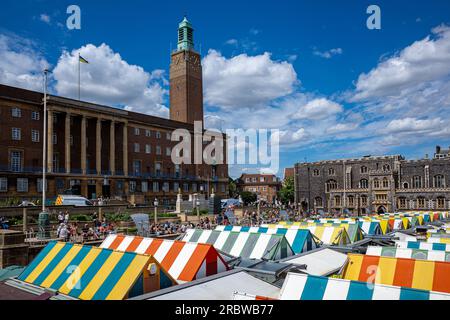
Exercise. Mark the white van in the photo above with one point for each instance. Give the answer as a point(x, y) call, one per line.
point(69, 200)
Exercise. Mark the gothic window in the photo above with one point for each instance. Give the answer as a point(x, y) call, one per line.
point(386, 167)
point(417, 182)
point(364, 169)
point(376, 183)
point(421, 202)
point(438, 181)
point(440, 203)
point(405, 185)
point(331, 172)
point(337, 201)
point(318, 201)
point(351, 201)
point(402, 203)
point(364, 201)
point(316, 173)
point(363, 184)
point(331, 185)
point(385, 183)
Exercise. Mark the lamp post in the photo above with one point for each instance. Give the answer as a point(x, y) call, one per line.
point(155, 203)
point(43, 220)
point(197, 204)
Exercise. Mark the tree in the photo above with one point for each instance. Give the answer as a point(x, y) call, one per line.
point(232, 188)
point(287, 192)
point(248, 197)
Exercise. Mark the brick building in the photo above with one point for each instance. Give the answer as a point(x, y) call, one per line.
point(265, 185)
point(374, 184)
point(97, 150)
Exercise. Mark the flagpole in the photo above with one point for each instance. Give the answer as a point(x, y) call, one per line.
point(79, 77)
point(44, 139)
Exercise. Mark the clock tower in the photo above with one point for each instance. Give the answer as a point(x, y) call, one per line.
point(186, 87)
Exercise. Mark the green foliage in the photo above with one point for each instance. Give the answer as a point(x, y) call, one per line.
point(287, 192)
point(118, 217)
point(248, 197)
point(81, 218)
point(232, 189)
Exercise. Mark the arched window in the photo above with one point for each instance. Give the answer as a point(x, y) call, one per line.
point(386, 167)
point(438, 181)
point(350, 201)
point(421, 202)
point(405, 185)
point(376, 183)
point(364, 169)
point(440, 203)
point(402, 203)
point(337, 201)
point(331, 185)
point(363, 201)
point(316, 173)
point(417, 182)
point(363, 184)
point(318, 202)
point(385, 183)
point(331, 172)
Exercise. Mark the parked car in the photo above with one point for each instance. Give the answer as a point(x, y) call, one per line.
point(69, 200)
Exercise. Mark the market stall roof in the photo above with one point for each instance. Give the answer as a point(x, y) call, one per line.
point(411, 273)
point(328, 235)
point(308, 287)
point(184, 261)
point(430, 255)
point(218, 287)
point(422, 245)
point(251, 245)
point(301, 240)
point(320, 262)
point(91, 273)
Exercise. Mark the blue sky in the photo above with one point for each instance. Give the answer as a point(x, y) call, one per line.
point(314, 71)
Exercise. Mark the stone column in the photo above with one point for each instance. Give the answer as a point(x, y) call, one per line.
point(67, 143)
point(112, 149)
point(83, 145)
point(125, 149)
point(49, 141)
point(98, 147)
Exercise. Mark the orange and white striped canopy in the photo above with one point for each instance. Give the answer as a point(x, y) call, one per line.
point(184, 261)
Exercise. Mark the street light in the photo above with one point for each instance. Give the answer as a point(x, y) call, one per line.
point(43, 220)
point(155, 203)
point(197, 203)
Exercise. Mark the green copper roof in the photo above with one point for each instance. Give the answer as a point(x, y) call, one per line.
point(185, 35)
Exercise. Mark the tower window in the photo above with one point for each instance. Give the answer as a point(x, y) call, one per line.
point(180, 35)
point(190, 35)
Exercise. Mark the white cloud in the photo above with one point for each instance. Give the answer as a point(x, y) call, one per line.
point(232, 42)
point(413, 125)
point(328, 54)
point(110, 80)
point(318, 109)
point(423, 61)
point(45, 18)
point(246, 81)
point(342, 128)
point(254, 31)
point(21, 64)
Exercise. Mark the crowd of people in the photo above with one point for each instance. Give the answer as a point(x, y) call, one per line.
point(73, 232)
point(172, 228)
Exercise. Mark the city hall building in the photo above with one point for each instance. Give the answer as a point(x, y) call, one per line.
point(374, 184)
point(95, 150)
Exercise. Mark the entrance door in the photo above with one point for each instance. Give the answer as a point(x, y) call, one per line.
point(91, 192)
point(381, 210)
point(106, 191)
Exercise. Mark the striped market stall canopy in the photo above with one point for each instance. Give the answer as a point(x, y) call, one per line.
point(371, 227)
point(91, 273)
point(184, 261)
point(298, 286)
point(410, 273)
point(301, 240)
point(430, 255)
point(243, 244)
point(353, 230)
point(445, 240)
point(422, 245)
point(326, 234)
